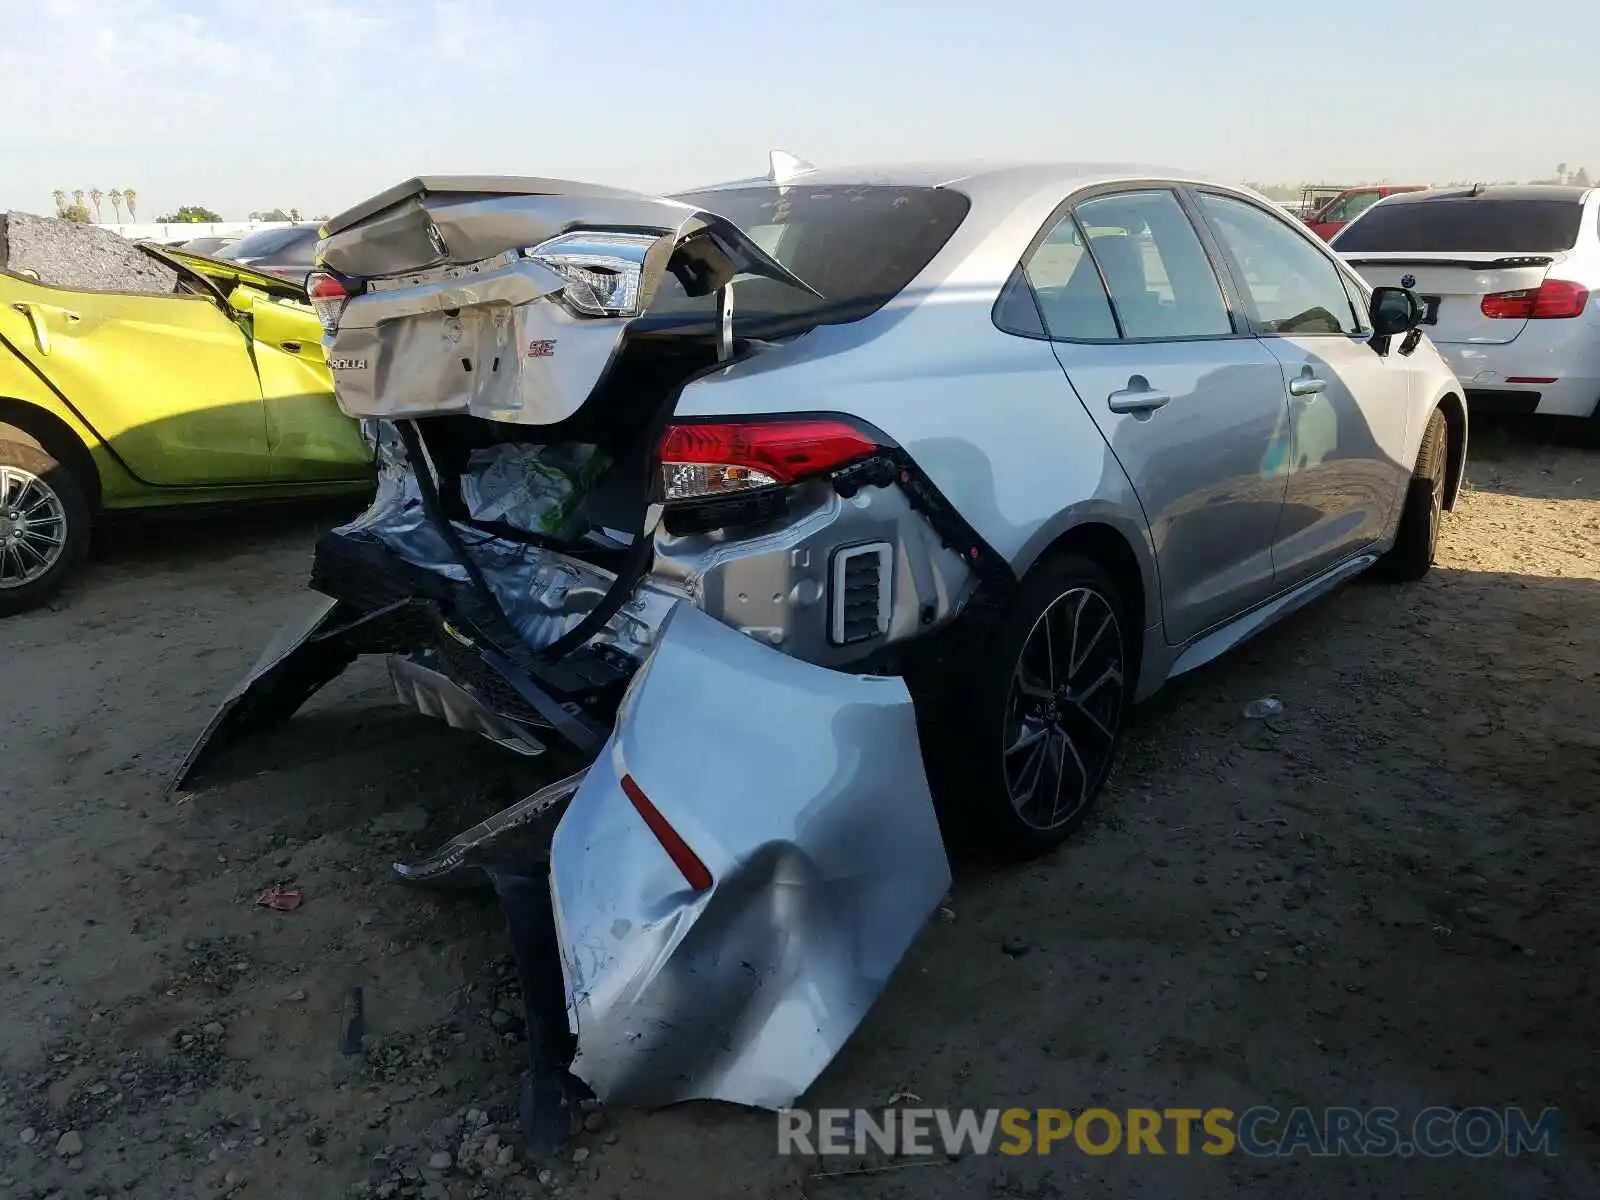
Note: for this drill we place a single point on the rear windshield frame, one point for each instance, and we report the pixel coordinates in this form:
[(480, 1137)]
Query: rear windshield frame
[(833, 266), (1461, 224)]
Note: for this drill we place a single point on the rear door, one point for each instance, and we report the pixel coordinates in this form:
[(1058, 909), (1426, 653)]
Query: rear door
[(1190, 402), (166, 380), (1346, 455)]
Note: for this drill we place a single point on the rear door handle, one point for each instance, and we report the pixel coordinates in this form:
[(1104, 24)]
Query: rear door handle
[(41, 332), (291, 347), (1307, 385), (1137, 397)]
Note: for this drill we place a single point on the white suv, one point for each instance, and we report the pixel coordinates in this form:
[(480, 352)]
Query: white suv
[(1507, 275)]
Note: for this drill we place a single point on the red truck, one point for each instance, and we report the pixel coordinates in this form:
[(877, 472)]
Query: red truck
[(1333, 215)]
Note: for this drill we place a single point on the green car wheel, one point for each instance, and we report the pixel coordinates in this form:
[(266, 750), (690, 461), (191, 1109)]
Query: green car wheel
[(44, 527)]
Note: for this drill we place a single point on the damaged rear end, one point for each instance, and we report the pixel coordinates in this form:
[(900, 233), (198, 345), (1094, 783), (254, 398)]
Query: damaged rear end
[(712, 613)]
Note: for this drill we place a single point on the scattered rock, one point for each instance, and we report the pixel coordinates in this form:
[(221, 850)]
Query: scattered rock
[(1015, 946), (30, 1135), (440, 1160), (595, 1121), (70, 1145), (580, 1156), (413, 818)]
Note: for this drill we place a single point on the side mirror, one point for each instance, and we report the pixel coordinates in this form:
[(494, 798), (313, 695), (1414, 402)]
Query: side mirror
[(1394, 310)]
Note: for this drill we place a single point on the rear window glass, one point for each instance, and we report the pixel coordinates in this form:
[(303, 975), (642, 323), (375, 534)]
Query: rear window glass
[(1516, 226), (269, 241), (858, 245)]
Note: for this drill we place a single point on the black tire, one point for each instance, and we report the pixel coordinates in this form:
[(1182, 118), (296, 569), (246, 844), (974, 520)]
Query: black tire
[(32, 482), (1416, 542), (983, 755)]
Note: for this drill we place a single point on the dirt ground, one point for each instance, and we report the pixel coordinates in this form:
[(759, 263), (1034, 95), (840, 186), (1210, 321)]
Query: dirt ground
[(1386, 896)]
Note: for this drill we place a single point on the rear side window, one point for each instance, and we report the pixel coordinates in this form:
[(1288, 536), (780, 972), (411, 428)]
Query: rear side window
[(1477, 224)]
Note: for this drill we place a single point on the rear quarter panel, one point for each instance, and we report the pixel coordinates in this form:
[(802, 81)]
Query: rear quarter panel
[(23, 393), (988, 415)]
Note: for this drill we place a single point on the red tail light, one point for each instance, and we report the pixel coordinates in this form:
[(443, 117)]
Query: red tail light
[(328, 297), (700, 461), (1554, 298), (694, 872)]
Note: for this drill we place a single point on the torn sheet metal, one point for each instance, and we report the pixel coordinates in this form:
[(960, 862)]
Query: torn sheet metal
[(420, 685), (543, 593), (803, 792), (295, 665), (471, 848)]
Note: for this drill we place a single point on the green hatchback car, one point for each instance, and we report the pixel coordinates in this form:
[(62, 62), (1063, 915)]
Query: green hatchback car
[(209, 387)]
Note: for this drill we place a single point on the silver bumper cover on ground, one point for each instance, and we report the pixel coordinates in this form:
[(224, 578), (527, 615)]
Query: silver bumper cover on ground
[(802, 792)]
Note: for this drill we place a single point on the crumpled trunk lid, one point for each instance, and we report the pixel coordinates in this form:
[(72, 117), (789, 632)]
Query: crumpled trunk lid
[(451, 313)]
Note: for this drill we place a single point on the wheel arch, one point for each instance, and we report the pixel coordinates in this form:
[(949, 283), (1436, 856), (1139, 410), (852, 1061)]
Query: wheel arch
[(1455, 421), (1106, 541), (41, 428)]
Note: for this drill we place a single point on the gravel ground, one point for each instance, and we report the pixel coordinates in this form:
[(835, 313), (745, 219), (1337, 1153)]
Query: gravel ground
[(1385, 896), (70, 254)]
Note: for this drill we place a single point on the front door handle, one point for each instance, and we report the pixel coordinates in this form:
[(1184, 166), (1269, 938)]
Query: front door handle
[(1307, 385), (291, 347), (1137, 397)]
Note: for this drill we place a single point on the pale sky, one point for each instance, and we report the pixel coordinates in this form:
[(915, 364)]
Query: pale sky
[(316, 104)]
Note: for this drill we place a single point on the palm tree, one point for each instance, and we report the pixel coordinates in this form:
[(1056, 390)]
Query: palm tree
[(95, 196), (77, 198), (60, 197), (131, 199), (115, 196)]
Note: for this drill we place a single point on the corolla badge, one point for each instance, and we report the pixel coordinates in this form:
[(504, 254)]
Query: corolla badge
[(1408, 281)]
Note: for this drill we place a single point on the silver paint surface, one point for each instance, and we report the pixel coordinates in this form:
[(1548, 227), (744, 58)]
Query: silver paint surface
[(420, 685), (802, 791)]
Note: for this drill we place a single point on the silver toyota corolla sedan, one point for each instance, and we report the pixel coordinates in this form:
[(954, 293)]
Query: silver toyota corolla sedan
[(834, 516)]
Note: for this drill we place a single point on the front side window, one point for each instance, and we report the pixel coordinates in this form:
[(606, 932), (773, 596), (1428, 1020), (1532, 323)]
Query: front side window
[(1292, 287)]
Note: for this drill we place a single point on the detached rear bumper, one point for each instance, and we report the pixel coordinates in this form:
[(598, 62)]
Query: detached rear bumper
[(801, 791)]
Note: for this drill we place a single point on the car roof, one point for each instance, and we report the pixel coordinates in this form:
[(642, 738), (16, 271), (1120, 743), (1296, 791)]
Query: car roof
[(972, 177), (1515, 191)]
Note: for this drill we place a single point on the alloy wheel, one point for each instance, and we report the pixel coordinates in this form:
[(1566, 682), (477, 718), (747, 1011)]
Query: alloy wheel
[(1064, 709), (33, 527)]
